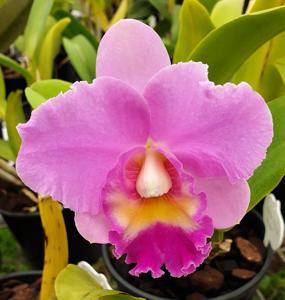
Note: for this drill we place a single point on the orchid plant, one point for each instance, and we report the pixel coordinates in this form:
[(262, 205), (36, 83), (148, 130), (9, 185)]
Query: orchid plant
[(150, 156)]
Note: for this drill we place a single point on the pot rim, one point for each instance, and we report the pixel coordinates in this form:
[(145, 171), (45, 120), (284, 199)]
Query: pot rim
[(8, 213), (229, 295), (20, 274)]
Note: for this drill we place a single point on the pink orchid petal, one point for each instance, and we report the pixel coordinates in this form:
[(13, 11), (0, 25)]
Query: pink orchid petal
[(180, 250), (131, 51), (94, 228), (226, 203), (142, 228), (72, 141), (212, 130)]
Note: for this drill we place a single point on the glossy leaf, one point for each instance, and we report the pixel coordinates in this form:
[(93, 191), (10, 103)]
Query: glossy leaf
[(259, 5), (36, 26), (43, 90), (225, 49), (82, 56), (2, 96), (225, 11), (120, 13), (12, 64), (50, 48), (6, 151), (13, 17), (258, 69), (75, 27), (194, 25), (272, 169), (84, 287), (14, 116)]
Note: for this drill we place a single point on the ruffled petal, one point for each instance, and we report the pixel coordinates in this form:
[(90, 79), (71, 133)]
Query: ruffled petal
[(94, 228), (212, 130), (170, 230), (72, 141), (226, 203), (131, 51)]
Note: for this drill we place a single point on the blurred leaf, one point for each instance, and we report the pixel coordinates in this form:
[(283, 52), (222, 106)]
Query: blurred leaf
[(12, 64), (43, 90), (259, 5), (2, 96), (120, 13), (13, 16), (225, 49), (280, 67), (269, 174), (162, 7), (194, 25), (50, 48), (225, 11), (14, 116), (99, 16), (36, 25), (6, 151), (175, 23), (75, 27), (82, 56), (73, 283), (140, 9), (209, 4)]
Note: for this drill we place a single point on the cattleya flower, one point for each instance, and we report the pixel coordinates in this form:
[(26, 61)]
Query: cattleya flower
[(150, 156)]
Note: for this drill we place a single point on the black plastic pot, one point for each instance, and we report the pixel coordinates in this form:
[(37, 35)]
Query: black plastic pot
[(27, 277), (28, 231), (245, 292)]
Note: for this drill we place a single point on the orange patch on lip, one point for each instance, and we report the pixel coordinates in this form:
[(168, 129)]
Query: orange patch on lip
[(139, 214)]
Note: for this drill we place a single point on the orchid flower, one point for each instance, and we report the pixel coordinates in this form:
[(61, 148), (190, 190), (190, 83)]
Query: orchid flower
[(150, 156)]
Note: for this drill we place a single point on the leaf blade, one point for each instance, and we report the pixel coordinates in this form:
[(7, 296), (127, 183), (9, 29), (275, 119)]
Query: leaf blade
[(50, 48), (269, 174), (194, 25), (215, 52), (14, 116)]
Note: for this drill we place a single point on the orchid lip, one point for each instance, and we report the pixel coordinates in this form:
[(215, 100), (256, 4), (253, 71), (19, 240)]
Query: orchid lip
[(153, 179)]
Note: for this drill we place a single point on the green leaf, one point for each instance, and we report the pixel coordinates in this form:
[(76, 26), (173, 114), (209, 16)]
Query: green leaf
[(257, 70), (6, 151), (162, 7), (209, 4), (140, 9), (14, 116), (13, 16), (73, 283), (225, 11), (2, 96), (43, 90), (35, 28), (280, 67), (50, 48), (82, 56), (194, 25), (227, 47), (268, 175), (120, 13), (12, 64), (75, 27)]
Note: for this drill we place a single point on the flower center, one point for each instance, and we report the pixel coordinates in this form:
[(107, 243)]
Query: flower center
[(153, 179)]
